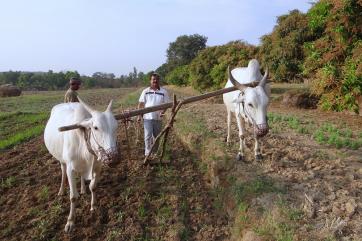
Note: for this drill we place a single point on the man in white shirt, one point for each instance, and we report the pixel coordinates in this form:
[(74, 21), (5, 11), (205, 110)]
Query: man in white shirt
[(151, 96)]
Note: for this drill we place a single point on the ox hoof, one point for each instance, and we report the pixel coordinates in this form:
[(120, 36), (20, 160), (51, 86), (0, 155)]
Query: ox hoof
[(93, 208), (69, 226), (239, 157), (61, 193), (259, 157)]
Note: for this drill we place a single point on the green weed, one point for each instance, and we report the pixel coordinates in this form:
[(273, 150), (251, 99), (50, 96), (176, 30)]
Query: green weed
[(34, 211), (274, 230), (253, 188), (243, 217), (56, 209), (120, 216), (8, 182), (142, 211), (320, 137), (42, 229), (113, 235), (164, 214), (43, 195)]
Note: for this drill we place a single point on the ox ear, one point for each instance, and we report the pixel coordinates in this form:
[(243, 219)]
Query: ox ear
[(109, 107), (87, 107)]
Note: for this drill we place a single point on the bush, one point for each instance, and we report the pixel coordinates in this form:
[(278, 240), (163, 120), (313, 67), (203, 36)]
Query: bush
[(208, 69), (179, 76), (334, 59), (282, 50)]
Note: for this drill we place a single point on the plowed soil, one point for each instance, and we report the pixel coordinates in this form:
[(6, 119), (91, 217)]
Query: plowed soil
[(172, 201), (135, 202)]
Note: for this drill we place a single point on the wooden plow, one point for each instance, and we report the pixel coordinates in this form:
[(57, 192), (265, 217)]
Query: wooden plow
[(175, 107)]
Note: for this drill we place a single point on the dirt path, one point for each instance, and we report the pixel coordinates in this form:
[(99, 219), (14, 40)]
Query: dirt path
[(158, 202)]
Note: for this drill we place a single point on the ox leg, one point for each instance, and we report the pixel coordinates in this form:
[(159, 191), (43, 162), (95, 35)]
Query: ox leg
[(229, 127), (258, 155), (92, 187), (61, 190), (241, 123), (73, 197), (82, 185)]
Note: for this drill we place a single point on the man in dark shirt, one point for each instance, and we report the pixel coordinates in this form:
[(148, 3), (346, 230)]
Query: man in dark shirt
[(71, 95)]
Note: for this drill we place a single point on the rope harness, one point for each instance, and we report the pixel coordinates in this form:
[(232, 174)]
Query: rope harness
[(106, 156), (258, 130)]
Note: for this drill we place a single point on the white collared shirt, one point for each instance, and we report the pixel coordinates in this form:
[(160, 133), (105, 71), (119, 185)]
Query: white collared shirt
[(151, 98)]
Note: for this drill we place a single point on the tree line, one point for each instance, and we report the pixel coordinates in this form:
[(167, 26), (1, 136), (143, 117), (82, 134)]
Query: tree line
[(323, 46), (59, 81)]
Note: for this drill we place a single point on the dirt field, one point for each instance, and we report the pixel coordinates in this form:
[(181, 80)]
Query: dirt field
[(301, 190)]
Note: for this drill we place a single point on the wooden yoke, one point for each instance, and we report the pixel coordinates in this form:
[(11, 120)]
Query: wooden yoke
[(132, 113)]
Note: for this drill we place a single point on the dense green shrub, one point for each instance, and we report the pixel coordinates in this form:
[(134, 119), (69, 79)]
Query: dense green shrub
[(208, 69), (333, 60), (179, 76), (282, 50)]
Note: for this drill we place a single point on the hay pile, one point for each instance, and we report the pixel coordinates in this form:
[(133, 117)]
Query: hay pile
[(9, 90), (300, 99)]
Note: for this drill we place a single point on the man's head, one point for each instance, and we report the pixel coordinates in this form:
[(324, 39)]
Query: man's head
[(155, 81), (74, 83)]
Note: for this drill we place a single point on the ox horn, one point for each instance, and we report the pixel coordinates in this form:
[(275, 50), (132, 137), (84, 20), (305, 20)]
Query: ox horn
[(264, 79), (87, 107), (109, 107), (234, 81)]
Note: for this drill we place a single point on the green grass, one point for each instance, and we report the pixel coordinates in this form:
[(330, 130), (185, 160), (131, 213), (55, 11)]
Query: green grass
[(21, 137), (131, 99), (279, 231), (337, 137), (24, 117), (252, 188), (327, 134), (18, 127), (43, 101), (188, 124)]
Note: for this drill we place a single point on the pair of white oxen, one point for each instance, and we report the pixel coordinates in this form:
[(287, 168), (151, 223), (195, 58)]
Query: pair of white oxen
[(84, 150)]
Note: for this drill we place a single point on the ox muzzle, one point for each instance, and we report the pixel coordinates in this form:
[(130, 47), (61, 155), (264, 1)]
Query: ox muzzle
[(109, 157), (261, 130)]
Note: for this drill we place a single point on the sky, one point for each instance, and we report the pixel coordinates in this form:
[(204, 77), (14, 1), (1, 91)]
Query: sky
[(113, 36)]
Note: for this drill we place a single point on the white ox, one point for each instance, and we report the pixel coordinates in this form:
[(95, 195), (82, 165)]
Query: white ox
[(75, 154), (249, 103)]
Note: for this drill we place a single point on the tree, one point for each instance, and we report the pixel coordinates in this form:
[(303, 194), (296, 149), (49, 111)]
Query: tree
[(282, 50), (184, 49), (333, 59), (208, 69)]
